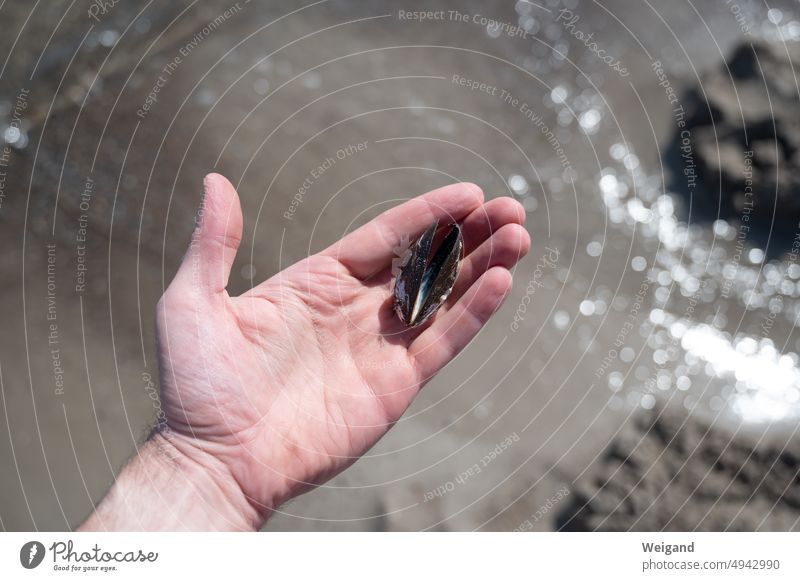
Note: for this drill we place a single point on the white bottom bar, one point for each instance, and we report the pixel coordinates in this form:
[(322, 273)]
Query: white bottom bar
[(402, 556)]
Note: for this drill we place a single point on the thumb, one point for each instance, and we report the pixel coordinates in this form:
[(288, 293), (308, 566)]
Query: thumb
[(207, 264)]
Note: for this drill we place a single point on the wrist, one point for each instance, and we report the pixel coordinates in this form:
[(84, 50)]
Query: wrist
[(170, 484), (213, 478)]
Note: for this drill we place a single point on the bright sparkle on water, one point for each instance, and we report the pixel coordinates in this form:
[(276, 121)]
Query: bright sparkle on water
[(518, 184), (745, 375), (775, 15), (756, 255), (11, 135), (594, 249), (615, 380), (108, 38), (587, 308), (766, 381), (608, 184), (618, 151), (590, 120), (561, 319), (558, 94), (638, 263)]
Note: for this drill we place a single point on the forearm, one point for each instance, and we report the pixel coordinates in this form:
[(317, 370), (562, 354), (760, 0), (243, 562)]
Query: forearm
[(167, 487)]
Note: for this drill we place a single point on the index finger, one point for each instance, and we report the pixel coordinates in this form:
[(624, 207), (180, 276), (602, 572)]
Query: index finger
[(371, 247)]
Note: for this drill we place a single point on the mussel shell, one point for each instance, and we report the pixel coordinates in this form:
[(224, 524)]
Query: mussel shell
[(424, 282)]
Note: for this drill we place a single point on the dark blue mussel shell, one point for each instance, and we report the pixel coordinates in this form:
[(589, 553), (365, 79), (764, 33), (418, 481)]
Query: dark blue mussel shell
[(424, 282)]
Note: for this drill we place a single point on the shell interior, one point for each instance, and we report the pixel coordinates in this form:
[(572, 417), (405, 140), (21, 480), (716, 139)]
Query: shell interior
[(425, 282)]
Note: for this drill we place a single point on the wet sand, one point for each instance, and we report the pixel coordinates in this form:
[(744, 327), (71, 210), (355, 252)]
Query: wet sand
[(611, 313)]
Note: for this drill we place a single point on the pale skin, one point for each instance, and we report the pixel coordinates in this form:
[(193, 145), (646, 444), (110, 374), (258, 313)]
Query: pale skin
[(273, 392)]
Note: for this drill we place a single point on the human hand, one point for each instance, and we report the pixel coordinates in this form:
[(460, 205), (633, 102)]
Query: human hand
[(283, 387)]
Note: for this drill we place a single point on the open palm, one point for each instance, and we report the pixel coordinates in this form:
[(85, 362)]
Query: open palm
[(291, 382)]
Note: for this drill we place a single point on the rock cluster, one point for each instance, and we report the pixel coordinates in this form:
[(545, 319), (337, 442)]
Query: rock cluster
[(744, 122), (666, 472)]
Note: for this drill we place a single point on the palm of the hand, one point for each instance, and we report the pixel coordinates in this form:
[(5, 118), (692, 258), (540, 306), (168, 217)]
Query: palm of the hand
[(312, 361), (292, 381)]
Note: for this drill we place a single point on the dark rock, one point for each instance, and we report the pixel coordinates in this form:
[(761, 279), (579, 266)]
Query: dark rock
[(744, 125)]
